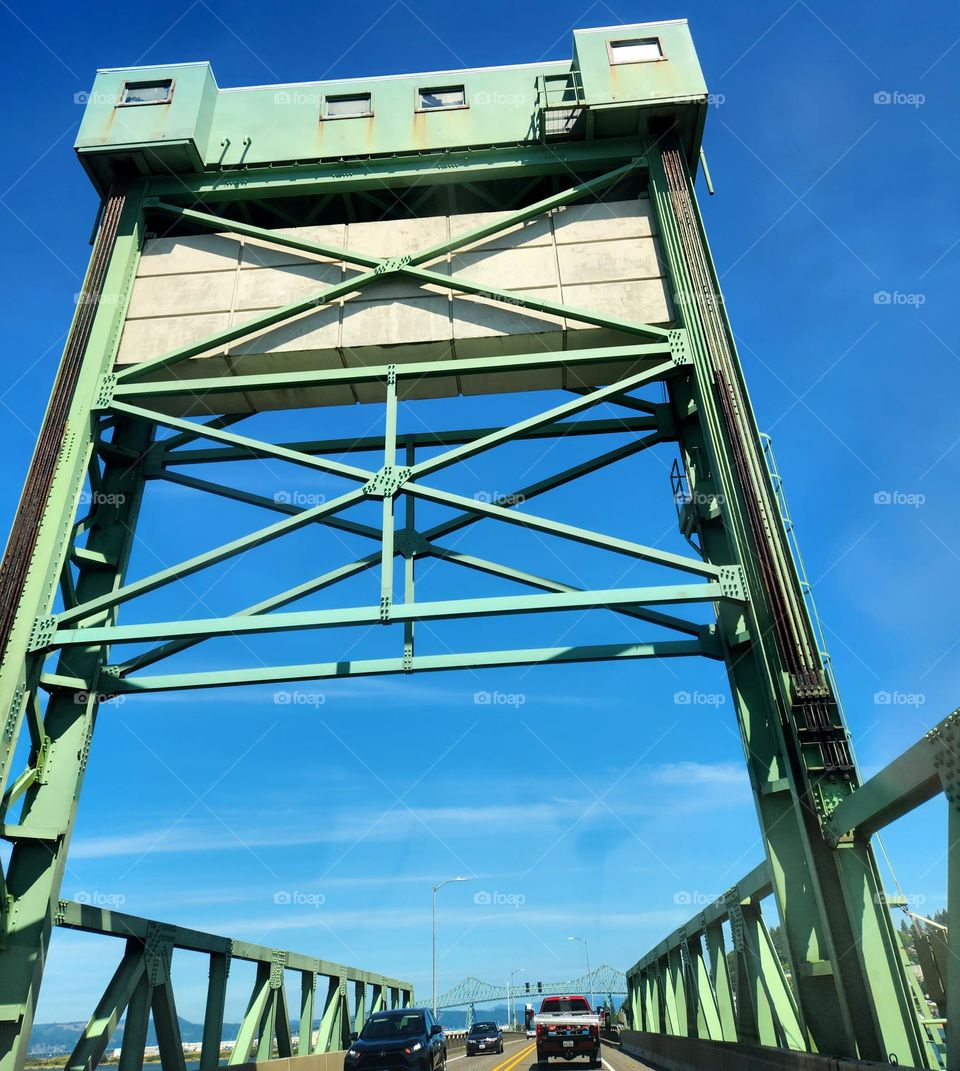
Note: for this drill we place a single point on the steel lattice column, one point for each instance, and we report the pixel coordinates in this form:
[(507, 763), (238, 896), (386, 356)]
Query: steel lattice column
[(852, 992), (61, 734)]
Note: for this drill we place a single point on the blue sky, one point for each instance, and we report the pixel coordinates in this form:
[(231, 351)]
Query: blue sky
[(593, 800)]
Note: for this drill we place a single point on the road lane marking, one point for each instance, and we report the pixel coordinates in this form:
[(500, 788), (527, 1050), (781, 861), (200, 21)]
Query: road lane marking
[(512, 1061), (496, 1067)]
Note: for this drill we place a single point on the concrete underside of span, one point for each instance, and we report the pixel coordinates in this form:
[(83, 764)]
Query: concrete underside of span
[(602, 257)]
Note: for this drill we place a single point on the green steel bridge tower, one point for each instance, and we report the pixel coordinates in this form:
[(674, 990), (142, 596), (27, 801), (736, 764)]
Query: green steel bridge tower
[(399, 240)]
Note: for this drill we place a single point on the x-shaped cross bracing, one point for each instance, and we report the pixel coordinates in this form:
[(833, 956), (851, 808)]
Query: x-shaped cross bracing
[(91, 621)]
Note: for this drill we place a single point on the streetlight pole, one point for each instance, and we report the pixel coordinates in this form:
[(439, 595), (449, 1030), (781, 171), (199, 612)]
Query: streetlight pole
[(583, 940), (435, 888), (516, 970)]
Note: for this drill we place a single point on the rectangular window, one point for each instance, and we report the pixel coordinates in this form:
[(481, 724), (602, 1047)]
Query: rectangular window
[(158, 92), (638, 50), (346, 106), (442, 97)]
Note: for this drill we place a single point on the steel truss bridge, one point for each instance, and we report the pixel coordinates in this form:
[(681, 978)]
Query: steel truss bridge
[(605, 981), (70, 608)]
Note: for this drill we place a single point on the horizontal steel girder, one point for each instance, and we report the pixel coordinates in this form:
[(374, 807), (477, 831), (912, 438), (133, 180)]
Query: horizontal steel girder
[(399, 612), (903, 785), (92, 919), (173, 455), (380, 666), (521, 161)]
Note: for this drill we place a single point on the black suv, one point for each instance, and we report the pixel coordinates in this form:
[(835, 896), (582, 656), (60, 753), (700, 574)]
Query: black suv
[(406, 1039), (484, 1037)]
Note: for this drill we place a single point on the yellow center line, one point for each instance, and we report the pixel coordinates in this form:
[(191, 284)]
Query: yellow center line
[(512, 1061)]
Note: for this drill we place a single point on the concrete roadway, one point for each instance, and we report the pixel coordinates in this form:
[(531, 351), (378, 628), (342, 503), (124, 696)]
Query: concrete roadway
[(522, 1056)]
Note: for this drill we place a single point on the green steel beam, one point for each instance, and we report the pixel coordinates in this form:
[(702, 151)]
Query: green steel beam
[(564, 531), (903, 785), (406, 265), (379, 666), (447, 609), (88, 918), (92, 1045), (484, 565), (368, 444), (192, 565), (522, 161), (469, 237), (378, 373), (353, 568), (549, 416), (256, 447), (236, 494), (258, 323), (853, 998)]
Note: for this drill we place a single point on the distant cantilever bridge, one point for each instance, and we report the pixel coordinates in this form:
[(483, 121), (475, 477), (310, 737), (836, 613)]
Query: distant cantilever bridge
[(605, 981)]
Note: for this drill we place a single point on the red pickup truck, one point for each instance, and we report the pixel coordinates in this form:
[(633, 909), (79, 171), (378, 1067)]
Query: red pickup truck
[(567, 1027)]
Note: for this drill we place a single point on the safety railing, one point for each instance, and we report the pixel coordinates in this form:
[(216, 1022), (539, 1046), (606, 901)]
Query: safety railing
[(142, 984), (560, 103), (693, 985)]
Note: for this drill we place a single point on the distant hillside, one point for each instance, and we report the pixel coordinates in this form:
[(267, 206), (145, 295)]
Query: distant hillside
[(54, 1039)]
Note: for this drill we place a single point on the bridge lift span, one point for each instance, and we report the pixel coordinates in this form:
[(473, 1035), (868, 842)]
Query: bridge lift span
[(480, 232)]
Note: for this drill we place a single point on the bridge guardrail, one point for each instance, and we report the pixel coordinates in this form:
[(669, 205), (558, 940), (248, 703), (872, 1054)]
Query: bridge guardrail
[(675, 992), (142, 984)]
